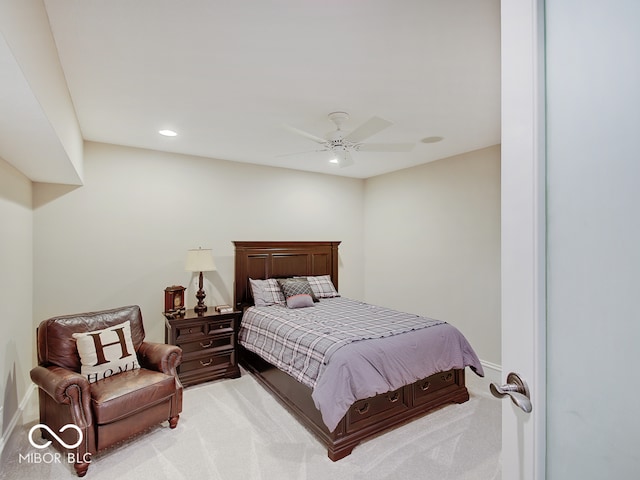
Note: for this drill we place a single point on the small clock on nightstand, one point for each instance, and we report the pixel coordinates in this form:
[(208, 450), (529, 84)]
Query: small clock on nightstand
[(174, 300)]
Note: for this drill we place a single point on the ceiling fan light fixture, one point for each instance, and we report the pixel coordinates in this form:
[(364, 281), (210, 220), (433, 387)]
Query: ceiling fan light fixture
[(339, 154)]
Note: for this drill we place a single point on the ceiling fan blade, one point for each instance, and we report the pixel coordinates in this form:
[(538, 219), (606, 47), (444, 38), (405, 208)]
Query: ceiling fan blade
[(385, 147), (308, 135), (302, 153), (368, 128)]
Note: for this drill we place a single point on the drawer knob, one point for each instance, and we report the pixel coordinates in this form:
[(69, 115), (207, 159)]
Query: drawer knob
[(207, 345), (393, 397), (425, 386), (447, 377), (364, 409), (206, 364)]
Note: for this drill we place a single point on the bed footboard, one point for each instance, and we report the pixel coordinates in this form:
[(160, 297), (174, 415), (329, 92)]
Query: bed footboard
[(366, 418)]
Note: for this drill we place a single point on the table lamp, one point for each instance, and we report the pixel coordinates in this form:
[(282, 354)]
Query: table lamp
[(200, 260)]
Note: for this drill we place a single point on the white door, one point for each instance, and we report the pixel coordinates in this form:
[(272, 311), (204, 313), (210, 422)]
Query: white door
[(523, 234), (593, 239)]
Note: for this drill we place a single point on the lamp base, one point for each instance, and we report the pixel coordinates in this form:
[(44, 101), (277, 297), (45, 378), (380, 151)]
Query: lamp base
[(200, 308)]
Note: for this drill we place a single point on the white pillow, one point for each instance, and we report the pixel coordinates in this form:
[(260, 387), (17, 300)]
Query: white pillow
[(322, 286), (106, 352), (266, 292)]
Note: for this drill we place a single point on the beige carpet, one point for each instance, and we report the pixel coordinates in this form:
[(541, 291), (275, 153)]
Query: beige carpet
[(234, 430)]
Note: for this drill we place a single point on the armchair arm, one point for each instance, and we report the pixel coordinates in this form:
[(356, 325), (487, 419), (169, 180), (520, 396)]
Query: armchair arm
[(161, 357), (56, 381), (65, 387)]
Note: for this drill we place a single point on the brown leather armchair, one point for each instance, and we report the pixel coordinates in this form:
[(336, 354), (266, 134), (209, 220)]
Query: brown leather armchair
[(111, 409)]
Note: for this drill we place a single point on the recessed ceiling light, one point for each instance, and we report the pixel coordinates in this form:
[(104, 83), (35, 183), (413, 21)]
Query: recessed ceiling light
[(167, 133), (432, 139), (333, 160)]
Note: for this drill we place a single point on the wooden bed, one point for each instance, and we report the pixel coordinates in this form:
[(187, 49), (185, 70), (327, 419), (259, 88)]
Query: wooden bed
[(365, 418)]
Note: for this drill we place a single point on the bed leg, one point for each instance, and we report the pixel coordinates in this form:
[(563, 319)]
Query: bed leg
[(339, 453), (462, 397)]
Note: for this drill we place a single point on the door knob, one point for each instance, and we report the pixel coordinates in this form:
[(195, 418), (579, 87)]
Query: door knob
[(517, 389)]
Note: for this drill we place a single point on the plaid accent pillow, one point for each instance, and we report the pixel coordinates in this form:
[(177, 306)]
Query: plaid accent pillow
[(296, 285), (322, 286), (266, 292), (298, 292)]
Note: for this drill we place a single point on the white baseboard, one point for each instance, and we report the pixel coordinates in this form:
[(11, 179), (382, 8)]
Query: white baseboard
[(19, 414), (492, 372)]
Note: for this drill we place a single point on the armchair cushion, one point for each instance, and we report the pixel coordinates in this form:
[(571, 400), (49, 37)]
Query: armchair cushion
[(122, 395), (106, 352)]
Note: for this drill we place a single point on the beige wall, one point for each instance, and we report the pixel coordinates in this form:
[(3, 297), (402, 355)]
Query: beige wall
[(40, 128), (122, 237), (432, 244), (16, 288)]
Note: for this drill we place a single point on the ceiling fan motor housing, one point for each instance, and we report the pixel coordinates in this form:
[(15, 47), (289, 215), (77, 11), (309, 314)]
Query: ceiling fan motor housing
[(339, 118), (340, 142)]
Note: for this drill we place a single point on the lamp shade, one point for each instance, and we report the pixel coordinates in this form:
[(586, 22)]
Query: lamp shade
[(199, 260)]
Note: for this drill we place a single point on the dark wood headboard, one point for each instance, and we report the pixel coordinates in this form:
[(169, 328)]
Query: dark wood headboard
[(261, 260)]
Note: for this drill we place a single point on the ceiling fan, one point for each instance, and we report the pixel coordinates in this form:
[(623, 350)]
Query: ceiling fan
[(342, 144)]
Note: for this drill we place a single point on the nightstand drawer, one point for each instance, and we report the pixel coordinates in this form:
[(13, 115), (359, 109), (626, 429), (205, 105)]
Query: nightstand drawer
[(190, 331), (221, 326), (209, 362), (187, 331), (211, 342)]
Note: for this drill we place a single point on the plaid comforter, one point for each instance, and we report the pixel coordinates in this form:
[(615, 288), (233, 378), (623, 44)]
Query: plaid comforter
[(301, 341)]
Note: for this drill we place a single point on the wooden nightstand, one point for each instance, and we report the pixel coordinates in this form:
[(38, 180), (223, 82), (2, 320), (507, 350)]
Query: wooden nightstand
[(209, 345)]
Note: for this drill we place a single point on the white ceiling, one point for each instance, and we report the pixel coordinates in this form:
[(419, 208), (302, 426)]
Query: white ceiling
[(228, 74)]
